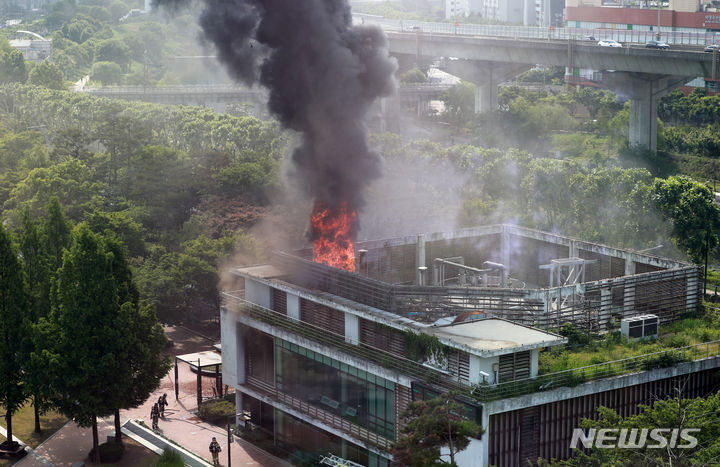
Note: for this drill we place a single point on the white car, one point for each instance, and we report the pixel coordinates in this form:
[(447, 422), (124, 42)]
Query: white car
[(609, 43)]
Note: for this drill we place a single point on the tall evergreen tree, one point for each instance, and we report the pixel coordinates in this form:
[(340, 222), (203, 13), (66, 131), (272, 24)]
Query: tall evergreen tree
[(56, 232), (85, 343), (36, 260), (143, 339), (13, 319)]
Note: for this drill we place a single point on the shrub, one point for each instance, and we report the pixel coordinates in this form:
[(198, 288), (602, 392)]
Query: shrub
[(170, 458), (216, 410), (110, 452)]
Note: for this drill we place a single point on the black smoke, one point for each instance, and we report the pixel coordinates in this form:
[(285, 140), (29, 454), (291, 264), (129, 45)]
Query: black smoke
[(322, 74)]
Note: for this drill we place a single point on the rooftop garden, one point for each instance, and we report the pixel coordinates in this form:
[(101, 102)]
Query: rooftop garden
[(584, 349)]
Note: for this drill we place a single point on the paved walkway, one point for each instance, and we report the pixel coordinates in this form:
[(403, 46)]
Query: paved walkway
[(71, 444)]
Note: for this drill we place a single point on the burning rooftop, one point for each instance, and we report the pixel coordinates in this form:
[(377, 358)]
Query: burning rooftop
[(521, 275)]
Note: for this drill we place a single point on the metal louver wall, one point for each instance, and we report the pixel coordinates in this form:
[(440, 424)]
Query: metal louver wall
[(322, 316), (279, 301), (382, 337), (514, 366), (459, 364), (552, 424)]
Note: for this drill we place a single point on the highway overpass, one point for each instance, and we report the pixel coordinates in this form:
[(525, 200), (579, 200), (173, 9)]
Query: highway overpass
[(643, 75)]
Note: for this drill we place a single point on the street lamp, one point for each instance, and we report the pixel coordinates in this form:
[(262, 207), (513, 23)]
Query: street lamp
[(657, 34)]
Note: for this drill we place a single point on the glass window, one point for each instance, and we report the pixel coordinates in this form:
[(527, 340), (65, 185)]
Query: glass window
[(352, 394)]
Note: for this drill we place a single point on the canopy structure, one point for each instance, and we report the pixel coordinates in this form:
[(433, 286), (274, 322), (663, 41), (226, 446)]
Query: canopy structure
[(208, 359)]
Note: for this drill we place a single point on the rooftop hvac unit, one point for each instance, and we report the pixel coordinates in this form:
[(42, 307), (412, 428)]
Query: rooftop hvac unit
[(639, 327)]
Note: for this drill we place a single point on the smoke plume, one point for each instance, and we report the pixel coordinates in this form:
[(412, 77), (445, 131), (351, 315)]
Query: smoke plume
[(322, 74)]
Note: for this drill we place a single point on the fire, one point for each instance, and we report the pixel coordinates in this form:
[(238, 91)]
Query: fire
[(332, 230)]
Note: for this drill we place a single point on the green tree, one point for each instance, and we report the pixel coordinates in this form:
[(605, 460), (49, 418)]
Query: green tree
[(12, 67), (431, 425), (690, 207), (13, 332), (701, 414), (413, 76), (55, 233), (113, 50), (48, 75), (142, 364), (460, 102), (37, 264), (106, 72), (82, 336)]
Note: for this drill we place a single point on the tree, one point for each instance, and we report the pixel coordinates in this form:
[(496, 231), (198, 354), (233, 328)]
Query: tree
[(13, 313), (690, 207), (37, 261), (431, 425), (113, 50), (47, 74), (415, 75), (106, 72), (12, 67), (143, 366), (56, 233), (701, 414), (81, 335), (460, 102)]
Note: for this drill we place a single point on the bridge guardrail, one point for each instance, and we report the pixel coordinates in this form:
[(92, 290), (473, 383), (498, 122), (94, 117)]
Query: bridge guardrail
[(536, 32)]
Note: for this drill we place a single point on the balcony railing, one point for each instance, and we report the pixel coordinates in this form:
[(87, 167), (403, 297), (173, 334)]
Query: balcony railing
[(320, 415), (482, 393), (575, 376)]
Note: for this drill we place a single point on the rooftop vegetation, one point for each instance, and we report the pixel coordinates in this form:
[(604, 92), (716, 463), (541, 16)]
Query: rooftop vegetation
[(584, 349)]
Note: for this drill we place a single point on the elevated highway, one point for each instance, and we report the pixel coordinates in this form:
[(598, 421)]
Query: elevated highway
[(643, 75)]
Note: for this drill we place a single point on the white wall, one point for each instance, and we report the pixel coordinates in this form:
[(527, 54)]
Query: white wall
[(352, 328), (472, 456), (478, 364), (256, 292), (293, 306), (232, 353)]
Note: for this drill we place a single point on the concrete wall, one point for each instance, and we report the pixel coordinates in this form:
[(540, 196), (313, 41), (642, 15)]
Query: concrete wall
[(232, 352), (257, 292), (478, 364)]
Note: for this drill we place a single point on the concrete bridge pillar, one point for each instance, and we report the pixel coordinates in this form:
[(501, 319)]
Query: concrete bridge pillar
[(486, 76), (645, 91)]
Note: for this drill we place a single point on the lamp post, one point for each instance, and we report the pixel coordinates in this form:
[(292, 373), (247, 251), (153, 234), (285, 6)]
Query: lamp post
[(657, 34), (245, 417)]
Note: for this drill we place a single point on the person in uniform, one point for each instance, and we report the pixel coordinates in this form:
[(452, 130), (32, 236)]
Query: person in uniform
[(162, 403), (155, 415), (215, 451)]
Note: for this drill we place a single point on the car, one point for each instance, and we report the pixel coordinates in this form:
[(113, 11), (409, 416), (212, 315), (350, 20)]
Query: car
[(609, 43), (656, 45), (712, 48)]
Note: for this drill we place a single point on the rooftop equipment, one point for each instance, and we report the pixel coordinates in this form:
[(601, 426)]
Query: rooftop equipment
[(640, 327)]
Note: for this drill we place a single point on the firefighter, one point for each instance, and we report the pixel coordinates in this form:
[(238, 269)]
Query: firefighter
[(162, 403), (155, 415), (215, 451)]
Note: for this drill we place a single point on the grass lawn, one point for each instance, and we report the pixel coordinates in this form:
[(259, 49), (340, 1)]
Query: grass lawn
[(612, 347), (24, 424)]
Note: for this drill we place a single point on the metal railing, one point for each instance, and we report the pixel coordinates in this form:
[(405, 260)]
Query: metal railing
[(575, 376), (483, 393), (321, 415), (536, 32)]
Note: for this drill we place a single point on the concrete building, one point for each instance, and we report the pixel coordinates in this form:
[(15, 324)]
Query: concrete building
[(325, 360), (34, 48), (673, 18), (457, 9)]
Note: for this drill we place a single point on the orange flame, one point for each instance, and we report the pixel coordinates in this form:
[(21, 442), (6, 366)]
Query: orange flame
[(332, 232)]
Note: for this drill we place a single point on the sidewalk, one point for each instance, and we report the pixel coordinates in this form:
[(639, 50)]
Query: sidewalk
[(71, 444)]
